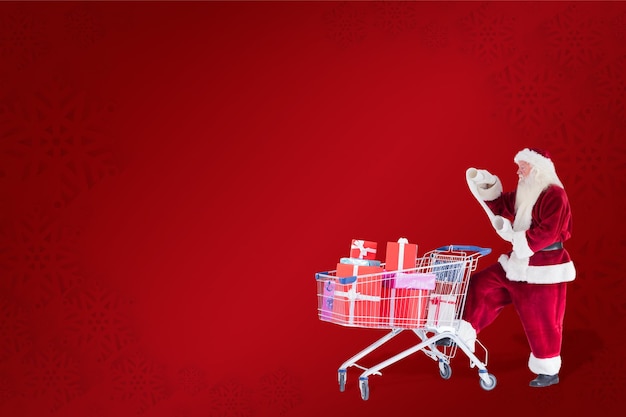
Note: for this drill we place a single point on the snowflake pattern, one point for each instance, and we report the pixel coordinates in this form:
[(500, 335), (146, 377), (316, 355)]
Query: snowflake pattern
[(395, 17), (83, 25), (15, 330), (7, 389), (22, 37), (95, 321), (59, 138), (39, 256), (488, 35), (610, 88), (230, 399), (139, 381), (590, 147), (528, 96), (346, 23), (53, 377), (280, 392), (597, 294), (192, 380), (435, 36), (572, 44), (607, 368), (618, 27)]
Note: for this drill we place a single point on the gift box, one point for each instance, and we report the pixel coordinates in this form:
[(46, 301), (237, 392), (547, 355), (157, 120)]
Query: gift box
[(360, 262), (353, 307), (363, 249), (404, 304), (441, 310), (400, 255), (357, 295), (415, 280), (352, 270), (369, 278)]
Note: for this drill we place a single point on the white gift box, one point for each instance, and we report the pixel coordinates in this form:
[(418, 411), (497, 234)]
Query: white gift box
[(441, 310)]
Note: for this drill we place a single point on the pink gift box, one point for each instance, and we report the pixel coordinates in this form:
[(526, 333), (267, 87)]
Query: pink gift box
[(415, 280)]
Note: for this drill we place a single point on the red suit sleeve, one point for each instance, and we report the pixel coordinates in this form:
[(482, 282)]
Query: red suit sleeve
[(504, 205)]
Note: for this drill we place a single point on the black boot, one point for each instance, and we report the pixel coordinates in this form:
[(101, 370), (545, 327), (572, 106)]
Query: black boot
[(544, 380)]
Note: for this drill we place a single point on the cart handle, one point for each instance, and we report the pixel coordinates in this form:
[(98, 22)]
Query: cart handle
[(343, 281), (465, 248)]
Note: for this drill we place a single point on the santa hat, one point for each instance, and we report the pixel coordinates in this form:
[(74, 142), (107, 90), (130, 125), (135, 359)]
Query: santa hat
[(540, 159)]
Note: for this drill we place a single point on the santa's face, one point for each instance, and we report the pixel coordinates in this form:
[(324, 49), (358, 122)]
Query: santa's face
[(523, 170)]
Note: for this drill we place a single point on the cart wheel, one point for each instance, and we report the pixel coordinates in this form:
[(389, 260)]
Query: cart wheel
[(342, 380), (445, 370), (488, 386), (365, 389)]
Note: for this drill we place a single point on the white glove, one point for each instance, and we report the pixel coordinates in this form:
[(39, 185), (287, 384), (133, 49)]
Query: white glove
[(481, 177), (503, 228)]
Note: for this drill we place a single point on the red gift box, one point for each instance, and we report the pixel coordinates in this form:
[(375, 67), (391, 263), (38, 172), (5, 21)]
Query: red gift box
[(405, 304), (357, 296), (363, 249), (352, 270), (400, 255), (406, 308)]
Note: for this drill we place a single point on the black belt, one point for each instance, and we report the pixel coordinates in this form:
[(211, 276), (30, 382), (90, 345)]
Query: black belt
[(554, 246)]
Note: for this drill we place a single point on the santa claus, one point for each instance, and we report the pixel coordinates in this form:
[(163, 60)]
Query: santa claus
[(536, 219)]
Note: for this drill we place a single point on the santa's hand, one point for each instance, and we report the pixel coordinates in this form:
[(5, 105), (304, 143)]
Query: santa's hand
[(481, 177), (503, 227)]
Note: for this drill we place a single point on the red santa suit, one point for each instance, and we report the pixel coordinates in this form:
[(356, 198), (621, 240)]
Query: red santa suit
[(533, 275)]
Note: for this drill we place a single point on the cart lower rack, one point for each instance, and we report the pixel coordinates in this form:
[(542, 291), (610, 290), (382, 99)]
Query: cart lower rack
[(427, 300)]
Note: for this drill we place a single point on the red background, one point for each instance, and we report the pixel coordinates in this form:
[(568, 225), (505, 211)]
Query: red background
[(172, 175)]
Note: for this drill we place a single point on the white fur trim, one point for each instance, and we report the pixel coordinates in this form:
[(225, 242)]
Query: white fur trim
[(545, 274), (491, 193), (548, 366), (535, 159), (467, 333), (520, 245)]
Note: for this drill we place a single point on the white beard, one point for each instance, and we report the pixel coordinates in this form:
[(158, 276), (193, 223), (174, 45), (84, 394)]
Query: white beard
[(528, 190)]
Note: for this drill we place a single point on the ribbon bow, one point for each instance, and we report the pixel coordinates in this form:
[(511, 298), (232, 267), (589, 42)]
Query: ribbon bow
[(360, 245), (352, 295), (438, 300)]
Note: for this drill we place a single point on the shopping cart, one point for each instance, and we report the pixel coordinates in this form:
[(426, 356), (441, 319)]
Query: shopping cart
[(428, 300)]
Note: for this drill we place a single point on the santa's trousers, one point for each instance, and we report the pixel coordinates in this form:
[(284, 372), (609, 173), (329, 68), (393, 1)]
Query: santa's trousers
[(540, 307)]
